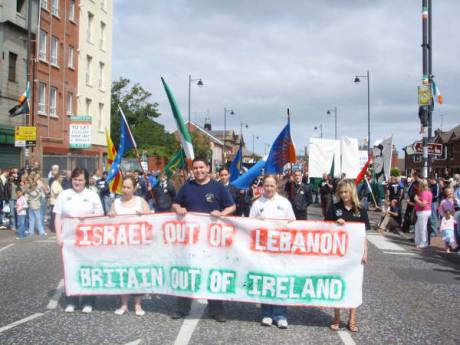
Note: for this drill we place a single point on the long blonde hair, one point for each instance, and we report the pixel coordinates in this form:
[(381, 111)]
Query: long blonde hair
[(350, 185)]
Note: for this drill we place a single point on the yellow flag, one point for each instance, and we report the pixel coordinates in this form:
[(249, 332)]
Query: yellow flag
[(116, 184)]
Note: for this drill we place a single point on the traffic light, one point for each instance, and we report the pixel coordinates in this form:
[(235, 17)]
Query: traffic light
[(423, 115)]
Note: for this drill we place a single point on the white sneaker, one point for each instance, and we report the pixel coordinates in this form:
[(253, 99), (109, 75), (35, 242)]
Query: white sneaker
[(267, 321), (87, 309), (121, 311), (283, 324), (70, 308)]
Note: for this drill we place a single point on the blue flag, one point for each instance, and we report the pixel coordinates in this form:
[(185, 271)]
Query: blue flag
[(235, 167), (281, 152), (245, 180), (126, 144)]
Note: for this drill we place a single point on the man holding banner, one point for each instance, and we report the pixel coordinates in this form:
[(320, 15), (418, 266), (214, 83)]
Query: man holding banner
[(206, 196)]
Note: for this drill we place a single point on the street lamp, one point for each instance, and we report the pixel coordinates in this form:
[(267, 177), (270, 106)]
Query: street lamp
[(357, 80), (335, 120), (199, 83), (241, 131), (267, 146), (254, 137), (231, 112), (321, 128)]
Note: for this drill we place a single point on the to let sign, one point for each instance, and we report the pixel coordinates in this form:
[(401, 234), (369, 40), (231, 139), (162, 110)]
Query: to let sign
[(80, 132)]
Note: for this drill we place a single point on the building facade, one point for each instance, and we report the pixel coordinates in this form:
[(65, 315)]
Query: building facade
[(13, 70)]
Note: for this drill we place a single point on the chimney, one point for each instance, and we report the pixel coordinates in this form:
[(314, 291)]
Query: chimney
[(207, 124)]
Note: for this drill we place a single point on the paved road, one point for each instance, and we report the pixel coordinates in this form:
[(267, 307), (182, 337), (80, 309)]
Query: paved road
[(410, 297)]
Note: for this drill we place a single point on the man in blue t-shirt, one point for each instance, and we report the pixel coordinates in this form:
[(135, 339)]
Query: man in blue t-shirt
[(206, 196)]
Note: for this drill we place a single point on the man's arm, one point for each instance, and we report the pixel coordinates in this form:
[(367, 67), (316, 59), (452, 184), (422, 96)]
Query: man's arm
[(181, 211)]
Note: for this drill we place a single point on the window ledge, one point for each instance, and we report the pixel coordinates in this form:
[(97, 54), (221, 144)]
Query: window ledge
[(54, 116), (42, 113), (71, 67), (43, 60), (55, 66)]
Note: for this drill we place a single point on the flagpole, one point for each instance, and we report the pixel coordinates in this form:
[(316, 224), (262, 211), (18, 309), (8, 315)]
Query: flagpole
[(133, 141)]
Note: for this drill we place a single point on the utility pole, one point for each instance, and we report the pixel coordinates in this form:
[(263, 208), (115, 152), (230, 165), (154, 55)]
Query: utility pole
[(424, 110), (430, 76)]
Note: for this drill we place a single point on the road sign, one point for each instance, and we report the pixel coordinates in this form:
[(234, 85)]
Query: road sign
[(433, 148), (28, 133)]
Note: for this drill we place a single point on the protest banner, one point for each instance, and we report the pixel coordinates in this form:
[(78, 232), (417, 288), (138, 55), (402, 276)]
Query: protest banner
[(306, 263)]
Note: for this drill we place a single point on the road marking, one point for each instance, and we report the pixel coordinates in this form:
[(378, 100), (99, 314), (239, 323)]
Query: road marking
[(190, 322), (346, 338), (400, 253), (383, 243), (19, 322), (135, 342), (45, 241), (6, 247), (53, 303)]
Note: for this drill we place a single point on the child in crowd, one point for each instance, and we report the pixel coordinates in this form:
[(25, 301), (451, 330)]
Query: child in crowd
[(21, 210), (447, 231)]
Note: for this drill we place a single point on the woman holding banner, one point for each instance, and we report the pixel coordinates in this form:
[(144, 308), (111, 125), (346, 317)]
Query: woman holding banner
[(348, 209), (78, 201), (272, 205), (129, 204)]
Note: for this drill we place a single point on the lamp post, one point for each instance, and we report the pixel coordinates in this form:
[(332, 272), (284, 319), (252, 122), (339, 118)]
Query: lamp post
[(335, 120), (254, 137), (267, 146), (190, 81), (321, 129), (241, 131), (231, 112), (357, 80)]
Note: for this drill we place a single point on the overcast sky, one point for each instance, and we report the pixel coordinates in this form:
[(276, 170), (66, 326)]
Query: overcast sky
[(260, 57)]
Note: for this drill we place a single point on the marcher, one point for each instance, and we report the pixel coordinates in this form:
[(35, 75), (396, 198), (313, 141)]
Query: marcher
[(300, 196), (447, 230), (77, 201), (206, 196), (348, 209), (325, 191), (272, 205), (129, 204), (423, 211), (163, 194)]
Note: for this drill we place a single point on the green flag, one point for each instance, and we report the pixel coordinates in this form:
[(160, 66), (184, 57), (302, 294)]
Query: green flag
[(176, 162), (331, 172)]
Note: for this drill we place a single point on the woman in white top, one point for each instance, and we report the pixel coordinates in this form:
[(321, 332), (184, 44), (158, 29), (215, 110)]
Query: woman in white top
[(272, 205), (129, 204)]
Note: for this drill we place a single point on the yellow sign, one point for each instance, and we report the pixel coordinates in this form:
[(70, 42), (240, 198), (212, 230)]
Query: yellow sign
[(28, 133), (424, 95)]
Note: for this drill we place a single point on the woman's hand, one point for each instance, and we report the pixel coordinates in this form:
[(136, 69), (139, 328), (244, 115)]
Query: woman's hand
[(340, 221), (364, 259)]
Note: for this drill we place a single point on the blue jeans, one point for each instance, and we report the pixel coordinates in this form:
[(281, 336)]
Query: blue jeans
[(276, 312), (12, 214), (434, 217), (35, 219), (21, 226)]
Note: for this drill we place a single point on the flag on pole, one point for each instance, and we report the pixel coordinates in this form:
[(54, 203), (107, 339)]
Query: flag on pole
[(116, 184), (235, 166), (185, 137), (362, 173), (331, 172), (436, 93), (23, 103), (176, 162), (245, 180), (281, 152), (126, 143)]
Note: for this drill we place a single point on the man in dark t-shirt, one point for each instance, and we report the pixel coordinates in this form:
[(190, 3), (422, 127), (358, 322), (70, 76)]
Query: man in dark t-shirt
[(206, 196)]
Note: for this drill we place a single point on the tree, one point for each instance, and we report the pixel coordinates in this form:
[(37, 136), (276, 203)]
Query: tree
[(140, 114)]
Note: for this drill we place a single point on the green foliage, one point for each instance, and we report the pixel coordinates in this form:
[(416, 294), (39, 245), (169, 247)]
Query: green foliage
[(201, 146), (140, 114), (395, 172)]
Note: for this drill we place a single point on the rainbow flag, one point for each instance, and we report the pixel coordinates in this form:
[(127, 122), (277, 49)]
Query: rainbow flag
[(116, 184)]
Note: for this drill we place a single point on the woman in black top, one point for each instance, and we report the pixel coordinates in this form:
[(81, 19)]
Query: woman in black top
[(348, 209)]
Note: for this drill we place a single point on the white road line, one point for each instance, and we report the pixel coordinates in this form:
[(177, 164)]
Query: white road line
[(53, 303), (19, 322), (6, 247), (189, 324), (346, 338), (383, 243), (400, 253), (135, 342), (45, 241)]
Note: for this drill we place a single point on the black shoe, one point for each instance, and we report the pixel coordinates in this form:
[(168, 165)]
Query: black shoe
[(219, 317), (177, 315)]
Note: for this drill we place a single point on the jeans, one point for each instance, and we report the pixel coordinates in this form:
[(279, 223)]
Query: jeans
[(43, 209), (434, 217), (12, 214), (275, 312), (21, 226), (35, 219), (75, 301), (214, 307)]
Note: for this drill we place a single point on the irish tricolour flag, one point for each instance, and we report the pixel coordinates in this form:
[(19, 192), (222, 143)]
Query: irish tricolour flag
[(185, 137)]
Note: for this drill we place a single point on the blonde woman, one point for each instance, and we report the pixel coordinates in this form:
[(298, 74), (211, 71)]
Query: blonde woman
[(422, 207), (348, 209)]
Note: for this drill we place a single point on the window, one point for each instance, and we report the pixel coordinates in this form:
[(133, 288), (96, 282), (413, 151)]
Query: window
[(88, 106), (101, 117), (104, 5), (55, 8), (70, 58), (20, 6), (44, 4), (89, 29), (72, 10), (69, 104), (42, 98), (101, 75), (89, 62), (42, 48), (54, 51), (12, 66), (53, 97), (102, 41)]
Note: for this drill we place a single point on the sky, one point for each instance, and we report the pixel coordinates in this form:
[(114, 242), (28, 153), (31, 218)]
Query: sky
[(259, 58)]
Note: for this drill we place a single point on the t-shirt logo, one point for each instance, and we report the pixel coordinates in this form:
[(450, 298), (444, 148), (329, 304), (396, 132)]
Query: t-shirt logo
[(339, 213), (210, 197)]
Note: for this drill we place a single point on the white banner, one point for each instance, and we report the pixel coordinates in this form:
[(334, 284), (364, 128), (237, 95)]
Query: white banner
[(321, 153), (382, 159), (305, 263), (350, 157)]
